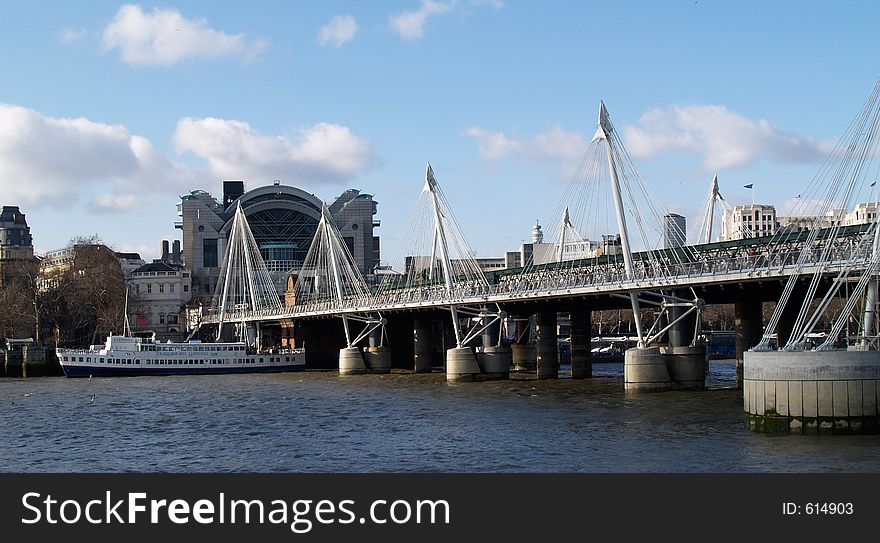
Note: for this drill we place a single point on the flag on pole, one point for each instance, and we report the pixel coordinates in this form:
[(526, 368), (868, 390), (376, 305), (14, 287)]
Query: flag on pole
[(750, 185)]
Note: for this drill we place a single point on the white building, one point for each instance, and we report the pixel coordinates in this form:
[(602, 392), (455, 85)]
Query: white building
[(749, 221), (861, 214), (161, 290), (129, 262)]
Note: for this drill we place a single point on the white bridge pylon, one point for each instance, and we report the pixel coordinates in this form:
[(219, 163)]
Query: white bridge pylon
[(439, 263), (329, 273), (605, 133), (605, 194), (704, 230), (246, 284)]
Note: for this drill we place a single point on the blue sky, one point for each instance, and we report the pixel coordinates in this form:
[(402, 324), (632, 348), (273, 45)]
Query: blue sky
[(109, 112)]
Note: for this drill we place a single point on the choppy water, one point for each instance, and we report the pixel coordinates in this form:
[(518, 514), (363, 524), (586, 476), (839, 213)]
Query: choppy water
[(318, 421)]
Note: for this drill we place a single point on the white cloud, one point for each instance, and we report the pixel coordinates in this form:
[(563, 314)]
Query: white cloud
[(323, 153), (71, 34), (723, 138), (496, 4), (556, 143), (410, 25), (164, 37), (49, 161), (111, 203), (493, 145), (341, 29)]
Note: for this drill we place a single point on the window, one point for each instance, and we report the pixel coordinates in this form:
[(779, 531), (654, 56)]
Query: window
[(161, 288), (161, 319), (149, 288), (349, 242), (171, 288), (209, 253), (137, 289), (186, 288)]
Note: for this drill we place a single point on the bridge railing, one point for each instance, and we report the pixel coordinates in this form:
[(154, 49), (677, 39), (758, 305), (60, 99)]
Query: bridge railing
[(647, 274)]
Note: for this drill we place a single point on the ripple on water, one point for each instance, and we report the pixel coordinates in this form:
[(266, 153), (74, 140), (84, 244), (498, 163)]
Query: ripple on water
[(317, 421)]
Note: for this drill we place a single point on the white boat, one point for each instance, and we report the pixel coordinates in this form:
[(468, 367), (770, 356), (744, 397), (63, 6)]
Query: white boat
[(131, 356)]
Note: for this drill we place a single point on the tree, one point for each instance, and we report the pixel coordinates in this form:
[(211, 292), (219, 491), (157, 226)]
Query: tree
[(19, 317), (83, 299), (718, 317)]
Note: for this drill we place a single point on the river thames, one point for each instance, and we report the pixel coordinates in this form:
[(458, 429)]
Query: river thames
[(321, 422)]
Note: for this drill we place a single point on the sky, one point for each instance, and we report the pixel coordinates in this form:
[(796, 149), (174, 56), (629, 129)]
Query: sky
[(109, 112)]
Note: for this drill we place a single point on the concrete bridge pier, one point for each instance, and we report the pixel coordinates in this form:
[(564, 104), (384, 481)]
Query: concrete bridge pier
[(351, 361), (525, 356), (749, 328), (377, 357), (547, 347), (645, 370), (812, 392), (494, 359), (581, 327), (461, 362), (462, 365), (687, 365), (422, 345)]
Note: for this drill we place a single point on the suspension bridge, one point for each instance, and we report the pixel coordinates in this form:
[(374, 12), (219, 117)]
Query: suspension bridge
[(806, 270)]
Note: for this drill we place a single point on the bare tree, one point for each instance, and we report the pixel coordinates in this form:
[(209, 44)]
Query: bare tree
[(84, 300), (718, 317)]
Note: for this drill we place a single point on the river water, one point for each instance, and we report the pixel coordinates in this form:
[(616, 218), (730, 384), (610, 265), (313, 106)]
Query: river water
[(319, 421)]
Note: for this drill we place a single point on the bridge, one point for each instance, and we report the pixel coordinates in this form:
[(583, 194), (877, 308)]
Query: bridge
[(804, 269), (734, 262)]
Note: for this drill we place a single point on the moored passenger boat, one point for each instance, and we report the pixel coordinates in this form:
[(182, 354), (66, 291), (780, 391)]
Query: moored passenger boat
[(132, 356)]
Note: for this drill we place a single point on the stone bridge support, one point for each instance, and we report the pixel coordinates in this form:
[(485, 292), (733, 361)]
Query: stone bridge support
[(749, 327), (581, 332), (546, 343), (523, 348), (493, 357), (423, 350)]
